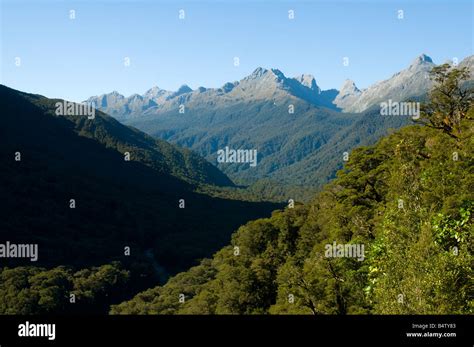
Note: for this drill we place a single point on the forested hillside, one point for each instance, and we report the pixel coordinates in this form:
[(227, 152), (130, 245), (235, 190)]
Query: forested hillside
[(67, 187), (408, 200), (160, 155)]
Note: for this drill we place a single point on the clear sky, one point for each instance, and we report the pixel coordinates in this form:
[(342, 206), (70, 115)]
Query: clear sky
[(77, 58)]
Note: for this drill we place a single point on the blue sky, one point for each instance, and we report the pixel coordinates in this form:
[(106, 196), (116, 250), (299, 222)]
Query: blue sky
[(74, 59)]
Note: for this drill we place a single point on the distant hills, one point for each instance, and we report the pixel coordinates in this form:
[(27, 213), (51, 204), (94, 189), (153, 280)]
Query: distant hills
[(117, 203), (299, 131)]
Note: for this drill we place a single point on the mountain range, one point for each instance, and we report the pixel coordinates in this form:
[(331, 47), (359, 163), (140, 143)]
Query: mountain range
[(300, 132), (264, 84)]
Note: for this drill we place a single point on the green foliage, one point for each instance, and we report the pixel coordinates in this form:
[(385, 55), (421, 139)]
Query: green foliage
[(34, 290), (449, 100), (450, 232), (408, 199)]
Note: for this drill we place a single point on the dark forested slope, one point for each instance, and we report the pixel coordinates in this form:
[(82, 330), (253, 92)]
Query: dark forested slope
[(118, 203)]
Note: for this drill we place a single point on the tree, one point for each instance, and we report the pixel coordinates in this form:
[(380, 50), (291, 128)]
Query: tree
[(449, 100)]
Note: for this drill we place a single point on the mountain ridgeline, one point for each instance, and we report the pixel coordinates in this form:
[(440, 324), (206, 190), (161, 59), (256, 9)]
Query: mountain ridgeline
[(297, 129)]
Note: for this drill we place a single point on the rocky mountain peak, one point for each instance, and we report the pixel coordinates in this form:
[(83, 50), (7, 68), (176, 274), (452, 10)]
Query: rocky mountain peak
[(421, 60), (308, 81)]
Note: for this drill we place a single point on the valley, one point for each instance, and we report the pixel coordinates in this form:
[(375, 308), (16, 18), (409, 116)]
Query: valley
[(299, 130), (298, 170)]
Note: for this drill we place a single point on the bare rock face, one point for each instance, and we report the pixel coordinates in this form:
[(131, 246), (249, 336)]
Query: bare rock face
[(308, 81), (469, 63), (261, 85), (272, 85), (348, 95), (413, 81)]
